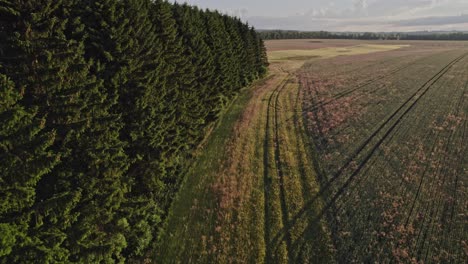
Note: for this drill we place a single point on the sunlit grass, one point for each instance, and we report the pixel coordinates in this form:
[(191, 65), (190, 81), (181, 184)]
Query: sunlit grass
[(330, 52)]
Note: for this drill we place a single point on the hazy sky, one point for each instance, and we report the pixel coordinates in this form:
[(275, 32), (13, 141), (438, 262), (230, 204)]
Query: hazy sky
[(346, 15)]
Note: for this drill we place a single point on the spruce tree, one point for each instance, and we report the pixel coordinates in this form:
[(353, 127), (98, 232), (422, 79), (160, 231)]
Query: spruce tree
[(195, 100), (42, 62), (177, 82), (261, 58), (25, 157), (218, 40), (73, 216), (123, 43), (237, 53)]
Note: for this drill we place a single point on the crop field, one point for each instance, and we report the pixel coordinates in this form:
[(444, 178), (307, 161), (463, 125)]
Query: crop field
[(349, 151), (329, 52), (391, 136), (309, 44)]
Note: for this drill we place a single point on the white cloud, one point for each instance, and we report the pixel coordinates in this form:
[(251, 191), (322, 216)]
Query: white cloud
[(338, 15), (360, 4), (362, 24)]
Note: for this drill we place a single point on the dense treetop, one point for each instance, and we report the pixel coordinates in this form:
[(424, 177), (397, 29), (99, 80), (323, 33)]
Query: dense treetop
[(101, 103)]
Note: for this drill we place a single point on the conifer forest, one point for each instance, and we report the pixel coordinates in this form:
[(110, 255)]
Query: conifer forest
[(102, 104)]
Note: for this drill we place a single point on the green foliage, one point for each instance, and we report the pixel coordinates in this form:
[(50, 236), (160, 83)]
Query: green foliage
[(102, 102), (8, 239), (25, 158)]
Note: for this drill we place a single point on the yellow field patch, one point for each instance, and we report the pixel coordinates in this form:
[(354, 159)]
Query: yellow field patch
[(329, 52)]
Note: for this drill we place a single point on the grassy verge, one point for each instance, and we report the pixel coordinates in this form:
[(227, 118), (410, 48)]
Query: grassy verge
[(186, 219)]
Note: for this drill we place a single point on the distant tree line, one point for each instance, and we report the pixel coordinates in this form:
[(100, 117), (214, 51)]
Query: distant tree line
[(290, 34), (101, 104)]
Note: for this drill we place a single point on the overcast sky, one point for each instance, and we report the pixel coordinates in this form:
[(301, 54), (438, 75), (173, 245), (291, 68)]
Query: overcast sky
[(346, 15)]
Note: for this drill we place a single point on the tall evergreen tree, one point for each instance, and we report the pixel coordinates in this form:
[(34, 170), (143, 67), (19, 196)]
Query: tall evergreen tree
[(121, 43), (236, 53), (177, 81), (43, 63), (24, 158), (261, 58), (197, 104), (128, 53), (249, 63), (74, 203), (218, 40)]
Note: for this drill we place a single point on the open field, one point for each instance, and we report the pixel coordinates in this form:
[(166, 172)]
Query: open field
[(392, 141), (307, 44), (334, 157), (329, 52)]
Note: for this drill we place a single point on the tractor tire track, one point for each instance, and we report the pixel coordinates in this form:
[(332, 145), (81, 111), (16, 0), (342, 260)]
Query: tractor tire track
[(449, 234), (362, 85), (440, 178), (280, 171), (442, 173), (326, 189), (415, 97), (410, 103), (272, 128), (456, 110)]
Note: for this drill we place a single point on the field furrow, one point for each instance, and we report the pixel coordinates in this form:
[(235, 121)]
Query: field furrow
[(391, 195)]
